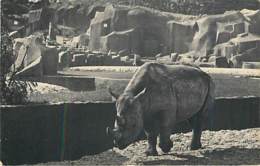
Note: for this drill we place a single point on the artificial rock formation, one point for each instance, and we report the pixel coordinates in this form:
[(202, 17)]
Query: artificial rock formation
[(138, 30), (34, 58), (149, 32)]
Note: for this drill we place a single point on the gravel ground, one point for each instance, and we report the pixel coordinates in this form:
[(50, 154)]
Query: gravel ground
[(221, 147)]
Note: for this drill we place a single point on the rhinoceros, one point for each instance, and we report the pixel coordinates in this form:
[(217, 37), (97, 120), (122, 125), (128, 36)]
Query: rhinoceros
[(155, 99)]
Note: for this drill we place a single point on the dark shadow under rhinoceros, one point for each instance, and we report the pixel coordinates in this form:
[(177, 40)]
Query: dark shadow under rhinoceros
[(158, 97)]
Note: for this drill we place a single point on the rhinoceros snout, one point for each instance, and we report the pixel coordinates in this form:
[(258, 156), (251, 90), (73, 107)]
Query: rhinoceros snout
[(114, 133), (117, 138)]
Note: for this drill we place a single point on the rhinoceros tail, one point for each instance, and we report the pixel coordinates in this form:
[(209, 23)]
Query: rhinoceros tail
[(211, 95), (208, 106)]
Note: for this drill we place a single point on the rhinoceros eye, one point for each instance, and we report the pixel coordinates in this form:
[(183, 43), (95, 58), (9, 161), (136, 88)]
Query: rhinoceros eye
[(125, 123), (134, 125), (121, 126)]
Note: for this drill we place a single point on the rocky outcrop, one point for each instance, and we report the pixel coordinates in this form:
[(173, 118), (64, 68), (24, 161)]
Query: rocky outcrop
[(34, 58), (137, 30), (76, 15), (233, 35), (181, 35)]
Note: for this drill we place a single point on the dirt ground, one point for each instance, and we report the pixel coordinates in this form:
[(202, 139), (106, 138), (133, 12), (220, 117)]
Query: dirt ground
[(221, 147), (44, 88), (82, 70)]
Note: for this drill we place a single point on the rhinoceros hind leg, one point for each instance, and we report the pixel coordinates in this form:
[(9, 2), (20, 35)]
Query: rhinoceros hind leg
[(196, 123)]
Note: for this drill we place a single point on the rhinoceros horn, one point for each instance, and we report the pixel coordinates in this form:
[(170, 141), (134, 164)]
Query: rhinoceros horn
[(140, 94)]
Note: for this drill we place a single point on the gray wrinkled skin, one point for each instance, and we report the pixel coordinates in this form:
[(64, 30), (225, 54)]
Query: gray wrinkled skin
[(156, 98)]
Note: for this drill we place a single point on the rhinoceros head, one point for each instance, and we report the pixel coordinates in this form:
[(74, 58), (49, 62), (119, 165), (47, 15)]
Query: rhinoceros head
[(129, 121)]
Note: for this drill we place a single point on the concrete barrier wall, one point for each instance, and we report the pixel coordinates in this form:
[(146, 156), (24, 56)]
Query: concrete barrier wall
[(229, 113), (235, 113), (40, 133)]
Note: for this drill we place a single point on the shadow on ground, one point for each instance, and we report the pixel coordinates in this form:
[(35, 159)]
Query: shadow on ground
[(233, 155)]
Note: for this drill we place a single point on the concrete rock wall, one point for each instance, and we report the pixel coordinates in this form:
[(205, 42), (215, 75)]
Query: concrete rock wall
[(34, 58), (145, 30), (149, 32), (181, 36)]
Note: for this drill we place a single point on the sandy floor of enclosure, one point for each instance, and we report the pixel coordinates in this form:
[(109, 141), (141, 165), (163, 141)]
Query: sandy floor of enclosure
[(49, 93), (230, 71), (221, 147), (44, 88)]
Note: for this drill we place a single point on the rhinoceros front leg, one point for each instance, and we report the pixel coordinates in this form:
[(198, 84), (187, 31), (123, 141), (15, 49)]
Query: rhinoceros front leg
[(151, 126), (165, 142), (152, 141), (167, 119)]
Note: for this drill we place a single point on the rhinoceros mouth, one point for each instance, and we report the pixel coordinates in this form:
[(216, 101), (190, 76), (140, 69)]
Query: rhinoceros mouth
[(119, 141), (121, 146)]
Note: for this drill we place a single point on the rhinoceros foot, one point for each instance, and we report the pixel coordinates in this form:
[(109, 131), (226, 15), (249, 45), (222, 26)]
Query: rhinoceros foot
[(166, 147), (195, 146), (151, 152)]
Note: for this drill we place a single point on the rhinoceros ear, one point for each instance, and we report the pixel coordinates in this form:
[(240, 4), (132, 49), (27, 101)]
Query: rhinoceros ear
[(115, 96), (140, 94)]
